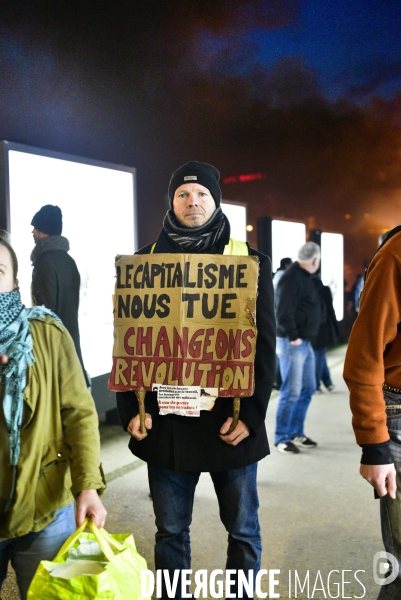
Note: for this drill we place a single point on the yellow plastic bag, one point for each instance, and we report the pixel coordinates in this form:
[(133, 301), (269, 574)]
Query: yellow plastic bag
[(113, 575)]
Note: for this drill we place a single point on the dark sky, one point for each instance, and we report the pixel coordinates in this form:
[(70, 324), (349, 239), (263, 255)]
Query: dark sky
[(306, 92)]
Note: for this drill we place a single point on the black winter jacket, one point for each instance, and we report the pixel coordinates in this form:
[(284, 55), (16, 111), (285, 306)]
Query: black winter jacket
[(192, 444), (56, 283), (329, 330), (297, 304)]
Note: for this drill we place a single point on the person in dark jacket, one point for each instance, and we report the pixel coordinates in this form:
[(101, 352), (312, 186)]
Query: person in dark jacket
[(55, 276), (298, 315), (326, 337), (284, 264), (178, 448)]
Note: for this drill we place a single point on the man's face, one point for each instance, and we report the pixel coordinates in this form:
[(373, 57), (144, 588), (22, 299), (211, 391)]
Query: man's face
[(193, 204), (38, 235)]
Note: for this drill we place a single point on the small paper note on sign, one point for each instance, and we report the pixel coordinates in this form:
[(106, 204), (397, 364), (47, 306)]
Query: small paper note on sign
[(186, 401)]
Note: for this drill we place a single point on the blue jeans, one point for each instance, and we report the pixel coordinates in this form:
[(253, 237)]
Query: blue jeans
[(322, 370), (390, 510), (26, 552), (297, 366), (173, 499)]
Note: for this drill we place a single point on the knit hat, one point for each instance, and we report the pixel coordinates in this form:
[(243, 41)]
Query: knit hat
[(196, 172), (48, 219)]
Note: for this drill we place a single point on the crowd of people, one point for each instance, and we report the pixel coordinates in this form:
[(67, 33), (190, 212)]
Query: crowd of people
[(49, 427)]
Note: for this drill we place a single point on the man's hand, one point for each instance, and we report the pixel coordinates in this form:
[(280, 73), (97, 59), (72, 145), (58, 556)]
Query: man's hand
[(3, 359), (235, 437), (296, 342), (382, 477), (90, 505), (134, 427)]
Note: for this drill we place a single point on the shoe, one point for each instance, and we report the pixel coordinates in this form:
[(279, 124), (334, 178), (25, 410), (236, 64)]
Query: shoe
[(287, 448), (304, 442), (331, 387), (319, 391)]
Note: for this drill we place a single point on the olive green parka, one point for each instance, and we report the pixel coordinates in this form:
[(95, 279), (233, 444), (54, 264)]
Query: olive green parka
[(60, 448)]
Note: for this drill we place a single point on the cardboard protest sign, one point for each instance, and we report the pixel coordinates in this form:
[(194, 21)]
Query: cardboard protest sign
[(185, 320)]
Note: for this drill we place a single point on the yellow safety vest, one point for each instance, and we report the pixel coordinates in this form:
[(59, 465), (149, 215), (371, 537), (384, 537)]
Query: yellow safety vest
[(233, 248), (236, 248)]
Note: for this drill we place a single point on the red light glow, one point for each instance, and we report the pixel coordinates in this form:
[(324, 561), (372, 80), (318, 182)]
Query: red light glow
[(244, 178)]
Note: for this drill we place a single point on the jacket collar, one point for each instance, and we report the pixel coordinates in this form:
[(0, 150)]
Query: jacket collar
[(301, 269)]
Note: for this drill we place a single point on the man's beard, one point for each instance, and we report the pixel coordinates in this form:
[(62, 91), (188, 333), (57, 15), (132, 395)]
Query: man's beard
[(193, 225)]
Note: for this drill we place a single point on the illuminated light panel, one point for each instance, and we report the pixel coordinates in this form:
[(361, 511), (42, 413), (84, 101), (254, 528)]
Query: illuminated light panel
[(236, 214), (332, 268), (98, 220), (287, 238)]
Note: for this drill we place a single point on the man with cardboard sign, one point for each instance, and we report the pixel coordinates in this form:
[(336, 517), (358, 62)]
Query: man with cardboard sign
[(186, 312)]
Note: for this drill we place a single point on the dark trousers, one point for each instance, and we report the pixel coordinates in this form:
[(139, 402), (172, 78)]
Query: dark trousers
[(173, 499)]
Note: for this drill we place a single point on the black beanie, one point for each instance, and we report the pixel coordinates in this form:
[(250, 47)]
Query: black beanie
[(48, 219), (192, 172)]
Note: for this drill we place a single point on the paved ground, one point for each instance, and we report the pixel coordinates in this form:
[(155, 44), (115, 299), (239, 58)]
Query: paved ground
[(317, 514)]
